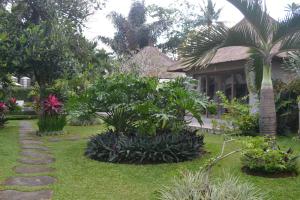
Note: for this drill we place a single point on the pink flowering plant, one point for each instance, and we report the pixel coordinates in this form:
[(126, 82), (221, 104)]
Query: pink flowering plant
[(53, 119), (12, 104), (52, 106), (3, 110)]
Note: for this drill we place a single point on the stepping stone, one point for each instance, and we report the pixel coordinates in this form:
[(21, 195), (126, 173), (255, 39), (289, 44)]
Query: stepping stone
[(37, 147), (31, 142), (41, 161), (55, 140), (33, 169), (30, 181), (34, 154), (16, 195)]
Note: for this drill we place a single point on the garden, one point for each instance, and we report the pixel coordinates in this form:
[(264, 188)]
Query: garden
[(91, 127)]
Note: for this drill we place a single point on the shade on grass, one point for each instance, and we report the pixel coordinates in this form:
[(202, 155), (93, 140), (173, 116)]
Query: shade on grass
[(83, 179)]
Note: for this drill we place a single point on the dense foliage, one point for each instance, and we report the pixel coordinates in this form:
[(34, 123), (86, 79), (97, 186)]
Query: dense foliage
[(143, 105), (238, 112), (140, 149), (262, 155), (287, 106), (198, 186), (146, 118)]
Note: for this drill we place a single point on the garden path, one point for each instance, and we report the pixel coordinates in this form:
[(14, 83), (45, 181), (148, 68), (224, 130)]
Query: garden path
[(34, 159)]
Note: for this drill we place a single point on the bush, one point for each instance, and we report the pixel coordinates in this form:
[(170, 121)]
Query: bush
[(83, 120), (143, 105), (263, 155), (238, 112), (287, 106), (21, 93), (198, 186), (52, 119), (49, 124), (3, 111), (141, 149)]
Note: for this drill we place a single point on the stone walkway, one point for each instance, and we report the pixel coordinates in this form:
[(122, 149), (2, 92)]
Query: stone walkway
[(34, 159)]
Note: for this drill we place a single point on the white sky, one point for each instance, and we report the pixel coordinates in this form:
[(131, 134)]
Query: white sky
[(98, 24)]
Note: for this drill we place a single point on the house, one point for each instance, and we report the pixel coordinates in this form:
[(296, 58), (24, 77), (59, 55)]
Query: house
[(226, 72), (152, 63)]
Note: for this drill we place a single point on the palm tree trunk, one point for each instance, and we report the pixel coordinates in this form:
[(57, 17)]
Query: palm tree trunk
[(267, 120), (253, 93)]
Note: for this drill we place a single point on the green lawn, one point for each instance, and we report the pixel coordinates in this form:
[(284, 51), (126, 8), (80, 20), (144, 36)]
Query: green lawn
[(9, 149), (80, 178)]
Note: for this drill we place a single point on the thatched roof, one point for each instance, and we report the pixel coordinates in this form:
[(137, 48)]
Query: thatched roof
[(226, 54), (151, 62)]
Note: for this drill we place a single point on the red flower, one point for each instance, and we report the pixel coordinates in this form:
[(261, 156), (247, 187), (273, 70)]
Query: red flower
[(13, 100), (3, 107), (52, 105)]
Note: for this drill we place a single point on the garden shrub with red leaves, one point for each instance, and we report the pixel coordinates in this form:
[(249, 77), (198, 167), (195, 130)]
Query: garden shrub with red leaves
[(53, 119), (3, 110)]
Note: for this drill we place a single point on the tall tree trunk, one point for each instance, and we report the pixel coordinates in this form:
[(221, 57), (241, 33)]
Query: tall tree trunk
[(253, 93), (267, 119)]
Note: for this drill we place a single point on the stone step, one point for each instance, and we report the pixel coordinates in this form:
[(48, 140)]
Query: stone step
[(30, 181), (33, 169), (16, 195)]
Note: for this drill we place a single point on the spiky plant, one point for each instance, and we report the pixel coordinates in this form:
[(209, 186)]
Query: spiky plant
[(259, 32), (199, 186)]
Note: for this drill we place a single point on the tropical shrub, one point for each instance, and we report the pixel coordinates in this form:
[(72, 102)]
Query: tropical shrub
[(140, 149), (238, 112), (3, 110), (287, 106), (143, 105), (199, 186), (52, 119), (262, 155)]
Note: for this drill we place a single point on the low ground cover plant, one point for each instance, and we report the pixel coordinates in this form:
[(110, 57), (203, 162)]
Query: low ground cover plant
[(165, 148), (264, 156), (146, 119)]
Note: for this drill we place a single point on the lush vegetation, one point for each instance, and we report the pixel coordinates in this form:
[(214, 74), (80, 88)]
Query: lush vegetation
[(165, 148), (147, 120), (264, 156)]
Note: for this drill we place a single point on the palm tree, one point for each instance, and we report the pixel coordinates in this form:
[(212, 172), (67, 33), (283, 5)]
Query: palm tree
[(293, 8), (261, 34)]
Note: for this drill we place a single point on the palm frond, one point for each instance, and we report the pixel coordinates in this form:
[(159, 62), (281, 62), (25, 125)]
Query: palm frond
[(291, 43), (201, 46), (257, 16), (243, 35), (286, 27)]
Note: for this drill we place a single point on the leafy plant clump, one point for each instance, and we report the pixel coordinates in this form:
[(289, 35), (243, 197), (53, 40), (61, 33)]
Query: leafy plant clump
[(52, 120), (199, 186), (262, 155), (3, 111), (238, 112), (144, 149)]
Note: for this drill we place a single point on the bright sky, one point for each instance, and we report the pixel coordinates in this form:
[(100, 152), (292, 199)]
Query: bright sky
[(98, 24)]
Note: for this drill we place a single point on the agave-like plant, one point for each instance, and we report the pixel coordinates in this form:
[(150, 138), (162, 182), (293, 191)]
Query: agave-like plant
[(259, 32)]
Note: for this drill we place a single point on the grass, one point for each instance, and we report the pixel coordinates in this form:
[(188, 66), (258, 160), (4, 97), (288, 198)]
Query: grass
[(83, 179), (9, 150)]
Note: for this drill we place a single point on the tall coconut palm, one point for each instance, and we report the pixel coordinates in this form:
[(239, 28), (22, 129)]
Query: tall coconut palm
[(259, 32)]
